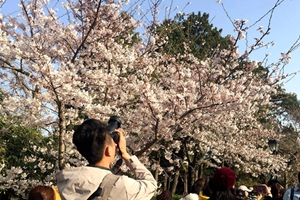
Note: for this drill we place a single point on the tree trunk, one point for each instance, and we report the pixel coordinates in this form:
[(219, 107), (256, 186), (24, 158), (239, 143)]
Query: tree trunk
[(157, 171), (285, 180), (175, 182), (200, 173), (190, 177), (156, 175), (192, 172), (185, 186), (62, 134), (165, 184)]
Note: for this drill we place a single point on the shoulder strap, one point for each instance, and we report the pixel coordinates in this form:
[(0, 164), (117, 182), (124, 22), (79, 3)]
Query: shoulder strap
[(107, 184), (105, 187), (292, 194)]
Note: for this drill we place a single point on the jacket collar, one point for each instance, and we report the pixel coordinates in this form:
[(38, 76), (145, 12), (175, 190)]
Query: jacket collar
[(99, 167)]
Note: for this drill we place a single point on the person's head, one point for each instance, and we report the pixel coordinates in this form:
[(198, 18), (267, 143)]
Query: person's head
[(223, 179), (272, 181), (277, 191), (198, 186), (164, 195), (223, 195), (93, 141), (222, 184), (41, 192)]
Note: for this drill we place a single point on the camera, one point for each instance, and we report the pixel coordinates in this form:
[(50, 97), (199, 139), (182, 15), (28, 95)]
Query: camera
[(260, 189), (114, 123), (240, 193)]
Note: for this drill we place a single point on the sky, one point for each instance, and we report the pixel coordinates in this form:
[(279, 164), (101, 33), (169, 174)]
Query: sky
[(285, 26)]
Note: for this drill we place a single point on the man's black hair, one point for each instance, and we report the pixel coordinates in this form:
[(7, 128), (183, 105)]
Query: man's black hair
[(90, 139)]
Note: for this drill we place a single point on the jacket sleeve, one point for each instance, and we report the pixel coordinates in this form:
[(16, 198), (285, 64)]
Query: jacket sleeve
[(143, 186), (287, 194)]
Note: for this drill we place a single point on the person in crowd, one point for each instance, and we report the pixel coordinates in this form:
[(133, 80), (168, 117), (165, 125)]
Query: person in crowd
[(277, 191), (195, 190), (272, 181), (242, 192), (41, 192), (164, 195), (206, 191), (222, 184), (263, 192), (293, 193), (94, 142), (198, 185), (253, 195)]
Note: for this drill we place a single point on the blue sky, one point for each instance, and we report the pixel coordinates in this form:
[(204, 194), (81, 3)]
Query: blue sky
[(285, 26)]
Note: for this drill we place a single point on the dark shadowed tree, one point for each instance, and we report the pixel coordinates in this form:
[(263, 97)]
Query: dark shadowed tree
[(195, 31)]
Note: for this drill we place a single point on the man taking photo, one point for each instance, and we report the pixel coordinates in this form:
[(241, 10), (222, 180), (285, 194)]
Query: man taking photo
[(96, 181)]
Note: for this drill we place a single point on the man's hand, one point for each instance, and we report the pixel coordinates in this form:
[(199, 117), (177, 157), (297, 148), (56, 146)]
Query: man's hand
[(122, 144)]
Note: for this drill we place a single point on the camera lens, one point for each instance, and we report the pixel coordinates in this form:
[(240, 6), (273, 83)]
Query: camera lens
[(114, 123)]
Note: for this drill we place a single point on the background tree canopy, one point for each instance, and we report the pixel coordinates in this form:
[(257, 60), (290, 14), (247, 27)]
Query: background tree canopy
[(195, 31)]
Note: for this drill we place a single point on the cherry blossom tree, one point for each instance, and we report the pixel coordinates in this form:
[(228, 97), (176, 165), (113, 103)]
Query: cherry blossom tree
[(82, 60)]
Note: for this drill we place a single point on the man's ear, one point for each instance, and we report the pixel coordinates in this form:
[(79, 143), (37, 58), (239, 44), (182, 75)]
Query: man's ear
[(108, 151)]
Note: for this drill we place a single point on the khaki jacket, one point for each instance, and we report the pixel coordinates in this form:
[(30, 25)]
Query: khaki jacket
[(80, 183)]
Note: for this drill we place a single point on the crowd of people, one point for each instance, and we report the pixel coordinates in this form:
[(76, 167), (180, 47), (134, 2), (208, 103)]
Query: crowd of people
[(222, 186), (97, 181)]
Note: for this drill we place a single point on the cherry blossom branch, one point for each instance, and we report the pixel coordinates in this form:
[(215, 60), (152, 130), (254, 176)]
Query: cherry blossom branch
[(12, 67), (27, 17), (151, 143), (197, 108), (88, 33)]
